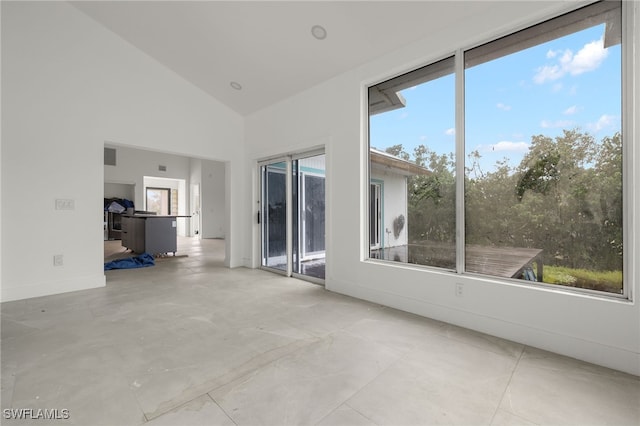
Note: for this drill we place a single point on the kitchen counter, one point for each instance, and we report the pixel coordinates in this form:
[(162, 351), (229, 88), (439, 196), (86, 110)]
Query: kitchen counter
[(153, 234)]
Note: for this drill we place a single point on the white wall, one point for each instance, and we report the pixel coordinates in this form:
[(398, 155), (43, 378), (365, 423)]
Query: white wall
[(120, 190), (69, 85), (212, 190), (599, 330), (133, 164), (210, 175), (195, 179)]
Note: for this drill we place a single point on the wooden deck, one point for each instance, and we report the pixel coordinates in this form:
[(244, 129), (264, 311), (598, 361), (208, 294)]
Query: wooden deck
[(508, 262)]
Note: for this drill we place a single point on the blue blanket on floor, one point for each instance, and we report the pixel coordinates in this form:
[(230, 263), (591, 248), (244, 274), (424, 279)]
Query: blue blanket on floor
[(142, 261)]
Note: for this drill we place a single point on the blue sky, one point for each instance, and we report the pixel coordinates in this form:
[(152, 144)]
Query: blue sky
[(571, 82)]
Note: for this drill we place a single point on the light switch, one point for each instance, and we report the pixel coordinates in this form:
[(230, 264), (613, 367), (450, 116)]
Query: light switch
[(65, 204)]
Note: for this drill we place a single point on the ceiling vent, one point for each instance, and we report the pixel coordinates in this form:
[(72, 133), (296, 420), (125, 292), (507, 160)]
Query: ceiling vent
[(162, 168), (109, 156)]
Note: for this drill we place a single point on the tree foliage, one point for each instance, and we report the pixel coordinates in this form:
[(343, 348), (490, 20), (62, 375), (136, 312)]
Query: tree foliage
[(564, 197)]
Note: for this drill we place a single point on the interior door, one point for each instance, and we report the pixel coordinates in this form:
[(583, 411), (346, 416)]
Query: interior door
[(195, 210)]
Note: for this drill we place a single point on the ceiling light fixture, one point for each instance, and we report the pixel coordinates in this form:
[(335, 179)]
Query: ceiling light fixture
[(235, 85), (319, 32)]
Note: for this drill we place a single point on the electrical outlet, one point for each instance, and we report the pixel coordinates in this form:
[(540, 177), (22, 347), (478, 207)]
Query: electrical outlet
[(58, 260), (459, 289)]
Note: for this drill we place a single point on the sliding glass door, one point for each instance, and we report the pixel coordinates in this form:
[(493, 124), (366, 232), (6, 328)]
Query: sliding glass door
[(274, 215), (293, 215), (308, 198)]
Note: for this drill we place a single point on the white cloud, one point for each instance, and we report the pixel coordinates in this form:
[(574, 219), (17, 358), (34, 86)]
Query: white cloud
[(403, 115), (587, 59), (546, 124), (604, 122), (548, 73), (553, 53), (556, 87), (510, 146), (450, 132), (571, 110), (503, 106), (423, 138)]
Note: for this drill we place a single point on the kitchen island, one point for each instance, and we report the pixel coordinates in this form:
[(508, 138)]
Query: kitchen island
[(153, 234)]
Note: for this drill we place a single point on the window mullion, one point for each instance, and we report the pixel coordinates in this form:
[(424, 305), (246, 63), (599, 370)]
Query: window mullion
[(289, 215), (460, 150), (630, 28)]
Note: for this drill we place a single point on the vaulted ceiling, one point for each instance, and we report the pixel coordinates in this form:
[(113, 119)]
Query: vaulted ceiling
[(267, 47)]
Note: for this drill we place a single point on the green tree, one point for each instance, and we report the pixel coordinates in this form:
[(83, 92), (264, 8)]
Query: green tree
[(569, 192), (564, 197), (398, 151), (431, 198)]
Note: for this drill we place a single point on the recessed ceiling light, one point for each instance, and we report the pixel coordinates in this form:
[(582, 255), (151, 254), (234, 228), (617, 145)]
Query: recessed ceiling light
[(319, 32), (236, 85)]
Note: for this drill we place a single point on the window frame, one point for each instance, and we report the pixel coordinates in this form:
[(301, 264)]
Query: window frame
[(630, 131), (377, 186), (154, 188)]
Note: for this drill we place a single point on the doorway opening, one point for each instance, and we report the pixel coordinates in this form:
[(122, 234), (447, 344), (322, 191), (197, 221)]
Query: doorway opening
[(197, 189)]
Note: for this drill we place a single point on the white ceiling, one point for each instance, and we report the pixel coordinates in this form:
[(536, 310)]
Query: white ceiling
[(267, 46)]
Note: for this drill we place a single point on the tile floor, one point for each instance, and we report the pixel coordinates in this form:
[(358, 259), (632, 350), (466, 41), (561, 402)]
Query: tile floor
[(188, 342)]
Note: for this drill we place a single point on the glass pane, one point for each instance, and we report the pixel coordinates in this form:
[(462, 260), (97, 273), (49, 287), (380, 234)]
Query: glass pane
[(296, 220), (274, 214), (309, 216), (158, 200), (412, 167), (313, 214), (543, 182)]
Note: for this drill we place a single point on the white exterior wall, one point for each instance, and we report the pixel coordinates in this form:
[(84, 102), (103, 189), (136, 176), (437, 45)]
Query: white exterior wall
[(599, 330), (394, 193), (68, 86)]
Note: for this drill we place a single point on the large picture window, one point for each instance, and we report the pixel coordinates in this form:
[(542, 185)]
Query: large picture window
[(541, 146), (412, 145)]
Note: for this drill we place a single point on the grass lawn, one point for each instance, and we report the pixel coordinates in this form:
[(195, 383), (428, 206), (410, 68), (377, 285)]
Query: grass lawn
[(610, 281)]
